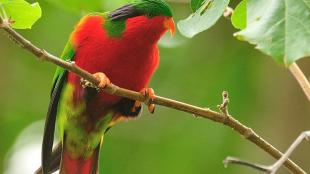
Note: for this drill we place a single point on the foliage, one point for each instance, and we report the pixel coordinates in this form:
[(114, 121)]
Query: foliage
[(22, 14), (203, 18), (279, 28), (196, 4), (238, 18)]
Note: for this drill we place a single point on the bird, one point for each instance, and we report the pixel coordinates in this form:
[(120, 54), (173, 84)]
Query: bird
[(119, 47)]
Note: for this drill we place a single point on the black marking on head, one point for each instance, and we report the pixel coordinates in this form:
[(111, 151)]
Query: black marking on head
[(125, 12)]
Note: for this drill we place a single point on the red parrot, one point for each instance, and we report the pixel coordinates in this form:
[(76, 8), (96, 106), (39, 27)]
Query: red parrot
[(122, 44)]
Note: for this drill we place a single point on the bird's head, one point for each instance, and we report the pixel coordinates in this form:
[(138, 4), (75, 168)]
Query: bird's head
[(146, 15)]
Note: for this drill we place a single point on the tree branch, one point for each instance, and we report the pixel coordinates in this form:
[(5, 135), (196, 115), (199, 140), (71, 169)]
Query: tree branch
[(301, 78), (227, 120), (272, 169), (303, 136)]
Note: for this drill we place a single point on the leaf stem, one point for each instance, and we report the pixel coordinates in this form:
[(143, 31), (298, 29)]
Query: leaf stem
[(301, 78)]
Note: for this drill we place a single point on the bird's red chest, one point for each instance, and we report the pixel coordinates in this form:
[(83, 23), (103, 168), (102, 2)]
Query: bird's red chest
[(128, 63)]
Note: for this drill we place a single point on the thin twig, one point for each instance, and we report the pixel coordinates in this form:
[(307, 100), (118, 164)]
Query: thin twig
[(233, 160), (224, 106), (243, 130), (303, 136), (272, 169), (301, 78)]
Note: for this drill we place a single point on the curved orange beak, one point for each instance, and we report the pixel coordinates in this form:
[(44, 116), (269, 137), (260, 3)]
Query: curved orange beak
[(169, 25)]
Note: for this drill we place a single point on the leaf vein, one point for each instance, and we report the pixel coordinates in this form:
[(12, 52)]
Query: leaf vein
[(304, 1), (301, 23)]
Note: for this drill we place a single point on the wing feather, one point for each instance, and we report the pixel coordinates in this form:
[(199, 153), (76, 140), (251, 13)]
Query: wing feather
[(48, 136)]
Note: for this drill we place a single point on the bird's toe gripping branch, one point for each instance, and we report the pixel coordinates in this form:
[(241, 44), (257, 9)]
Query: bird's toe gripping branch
[(102, 78), (149, 95)]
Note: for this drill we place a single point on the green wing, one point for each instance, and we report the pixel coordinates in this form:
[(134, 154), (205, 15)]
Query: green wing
[(67, 55), (48, 137)]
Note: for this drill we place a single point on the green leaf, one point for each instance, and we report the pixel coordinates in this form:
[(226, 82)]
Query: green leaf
[(279, 28), (238, 17), (205, 17), (195, 4), (23, 14)]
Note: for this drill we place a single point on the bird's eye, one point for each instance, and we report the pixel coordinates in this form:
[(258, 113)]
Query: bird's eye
[(149, 15)]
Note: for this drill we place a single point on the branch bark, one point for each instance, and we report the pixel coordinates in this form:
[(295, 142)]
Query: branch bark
[(223, 118)]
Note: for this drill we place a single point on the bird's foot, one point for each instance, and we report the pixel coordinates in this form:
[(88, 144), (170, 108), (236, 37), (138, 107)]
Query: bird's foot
[(104, 81), (149, 95)]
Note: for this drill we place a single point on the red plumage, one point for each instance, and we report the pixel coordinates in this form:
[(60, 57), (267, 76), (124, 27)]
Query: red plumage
[(128, 61), (122, 44), (77, 166)]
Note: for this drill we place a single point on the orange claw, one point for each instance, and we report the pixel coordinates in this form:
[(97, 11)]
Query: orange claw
[(104, 80), (150, 96), (136, 106)]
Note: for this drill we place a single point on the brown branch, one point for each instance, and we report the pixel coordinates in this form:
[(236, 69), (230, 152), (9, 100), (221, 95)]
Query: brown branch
[(301, 78), (227, 120)]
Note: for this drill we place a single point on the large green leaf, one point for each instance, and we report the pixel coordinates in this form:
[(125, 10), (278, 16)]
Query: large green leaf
[(279, 28), (23, 14), (205, 17), (238, 18)]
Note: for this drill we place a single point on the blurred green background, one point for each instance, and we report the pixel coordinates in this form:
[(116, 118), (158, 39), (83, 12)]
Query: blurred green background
[(263, 95)]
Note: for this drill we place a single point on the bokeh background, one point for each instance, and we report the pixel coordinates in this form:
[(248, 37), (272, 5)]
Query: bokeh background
[(263, 95)]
